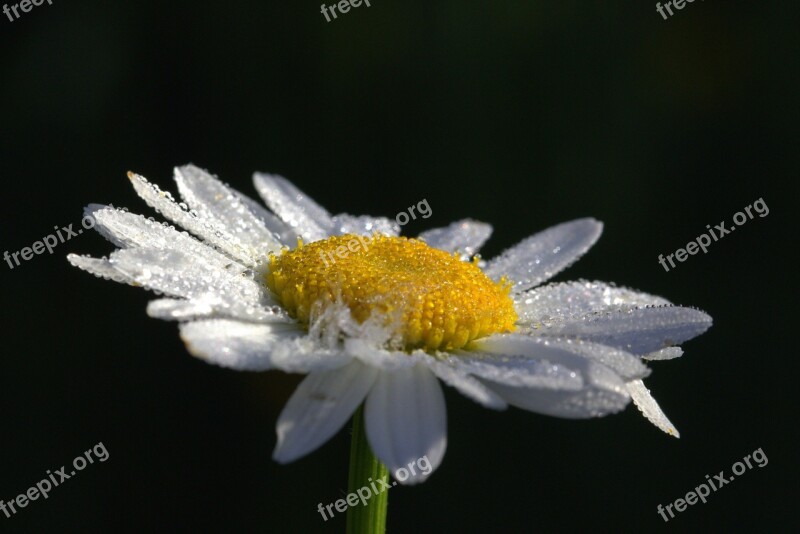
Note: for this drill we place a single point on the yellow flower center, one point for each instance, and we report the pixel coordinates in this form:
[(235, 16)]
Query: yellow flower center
[(428, 297)]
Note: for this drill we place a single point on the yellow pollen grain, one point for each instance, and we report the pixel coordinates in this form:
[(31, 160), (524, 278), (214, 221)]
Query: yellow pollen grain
[(430, 298)]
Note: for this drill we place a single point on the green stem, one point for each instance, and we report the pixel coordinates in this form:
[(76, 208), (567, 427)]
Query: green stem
[(369, 518)]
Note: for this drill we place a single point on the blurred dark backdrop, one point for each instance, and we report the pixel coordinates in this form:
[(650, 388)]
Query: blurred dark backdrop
[(523, 114)]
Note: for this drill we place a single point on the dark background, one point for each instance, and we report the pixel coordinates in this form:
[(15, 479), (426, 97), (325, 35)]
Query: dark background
[(522, 114)]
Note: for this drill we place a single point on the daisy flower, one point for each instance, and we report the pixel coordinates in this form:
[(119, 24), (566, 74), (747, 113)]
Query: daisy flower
[(377, 319)]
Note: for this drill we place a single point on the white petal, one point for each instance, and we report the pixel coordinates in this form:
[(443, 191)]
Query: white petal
[(639, 331), (553, 350), (214, 290), (604, 394), (549, 369), (363, 224), (406, 420), (295, 208), (285, 234), (467, 385), (128, 230), (466, 236), (230, 292), (319, 407), (578, 387), (220, 205), (258, 347), (521, 360), (215, 233), (179, 309), (539, 257), (664, 354), (180, 274), (559, 302), (378, 357), (98, 267), (623, 363), (210, 307), (650, 408), (390, 360)]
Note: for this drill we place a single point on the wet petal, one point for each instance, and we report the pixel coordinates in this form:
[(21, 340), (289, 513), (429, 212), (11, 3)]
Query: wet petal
[(210, 307), (639, 331), (232, 292), (319, 407), (466, 236), (406, 420), (559, 302), (99, 267), (308, 219), (650, 408), (543, 255), (179, 309), (664, 354), (467, 385), (363, 225), (129, 230), (258, 347), (221, 205), (211, 231), (576, 387)]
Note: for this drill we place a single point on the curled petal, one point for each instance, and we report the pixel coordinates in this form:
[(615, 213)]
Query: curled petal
[(650, 408)]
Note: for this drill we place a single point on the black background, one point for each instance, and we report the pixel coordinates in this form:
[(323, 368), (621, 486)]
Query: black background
[(522, 114)]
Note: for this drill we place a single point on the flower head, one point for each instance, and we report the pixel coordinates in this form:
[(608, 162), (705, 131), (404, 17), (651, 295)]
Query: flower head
[(429, 298), (376, 318)]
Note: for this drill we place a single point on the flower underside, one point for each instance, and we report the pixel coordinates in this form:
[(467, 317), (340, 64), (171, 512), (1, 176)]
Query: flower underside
[(429, 298)]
